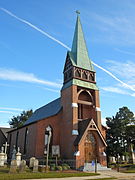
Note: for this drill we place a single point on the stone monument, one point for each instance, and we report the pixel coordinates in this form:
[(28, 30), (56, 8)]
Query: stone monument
[(13, 166), (18, 157), (35, 165), (13, 153), (2, 157)]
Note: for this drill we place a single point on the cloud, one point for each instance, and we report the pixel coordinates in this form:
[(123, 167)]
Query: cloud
[(116, 28), (31, 78), (7, 112), (124, 52), (117, 90), (114, 77), (13, 75), (13, 109), (34, 27), (124, 69), (103, 121)]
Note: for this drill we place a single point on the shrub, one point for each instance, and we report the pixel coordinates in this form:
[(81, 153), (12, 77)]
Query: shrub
[(59, 168), (64, 168), (65, 165), (52, 167)]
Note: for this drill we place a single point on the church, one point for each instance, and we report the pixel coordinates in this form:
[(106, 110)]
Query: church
[(73, 120)]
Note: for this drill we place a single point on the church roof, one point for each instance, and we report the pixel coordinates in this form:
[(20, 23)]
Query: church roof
[(5, 130), (48, 110), (79, 53)]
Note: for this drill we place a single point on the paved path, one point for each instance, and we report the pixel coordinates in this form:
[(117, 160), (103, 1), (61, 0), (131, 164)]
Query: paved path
[(103, 174)]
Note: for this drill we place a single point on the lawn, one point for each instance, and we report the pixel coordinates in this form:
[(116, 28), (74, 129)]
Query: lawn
[(4, 175)]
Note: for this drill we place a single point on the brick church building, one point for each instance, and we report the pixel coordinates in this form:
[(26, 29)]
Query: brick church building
[(74, 118)]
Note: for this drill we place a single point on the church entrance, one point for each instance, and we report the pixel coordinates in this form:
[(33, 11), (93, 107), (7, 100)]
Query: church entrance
[(90, 147)]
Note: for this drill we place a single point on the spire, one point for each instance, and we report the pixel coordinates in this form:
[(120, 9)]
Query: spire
[(79, 50)]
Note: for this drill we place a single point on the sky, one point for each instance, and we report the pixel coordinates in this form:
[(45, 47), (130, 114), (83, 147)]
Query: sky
[(35, 36)]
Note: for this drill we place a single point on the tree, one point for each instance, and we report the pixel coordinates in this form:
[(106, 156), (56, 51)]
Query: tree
[(18, 121), (118, 134)]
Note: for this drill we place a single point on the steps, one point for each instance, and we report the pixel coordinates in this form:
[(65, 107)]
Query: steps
[(88, 167)]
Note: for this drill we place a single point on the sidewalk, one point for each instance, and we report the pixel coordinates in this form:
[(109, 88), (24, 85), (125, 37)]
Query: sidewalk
[(103, 174)]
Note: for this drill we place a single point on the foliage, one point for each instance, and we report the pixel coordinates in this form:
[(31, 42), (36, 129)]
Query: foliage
[(59, 168), (65, 166), (119, 133), (18, 121)]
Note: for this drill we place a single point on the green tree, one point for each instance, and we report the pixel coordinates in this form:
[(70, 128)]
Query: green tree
[(118, 135), (18, 121)]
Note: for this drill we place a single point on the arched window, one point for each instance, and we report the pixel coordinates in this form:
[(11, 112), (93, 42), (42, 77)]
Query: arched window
[(84, 75), (48, 138), (26, 140), (85, 96), (85, 102), (77, 73)]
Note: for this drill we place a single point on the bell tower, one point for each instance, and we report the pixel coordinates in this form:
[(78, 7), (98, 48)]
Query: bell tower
[(79, 94)]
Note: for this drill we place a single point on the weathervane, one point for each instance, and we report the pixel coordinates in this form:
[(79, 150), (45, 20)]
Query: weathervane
[(77, 12)]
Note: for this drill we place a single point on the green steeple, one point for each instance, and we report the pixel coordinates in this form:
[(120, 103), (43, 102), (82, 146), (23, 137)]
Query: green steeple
[(79, 52)]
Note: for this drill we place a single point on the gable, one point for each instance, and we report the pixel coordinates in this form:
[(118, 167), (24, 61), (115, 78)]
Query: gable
[(86, 125)]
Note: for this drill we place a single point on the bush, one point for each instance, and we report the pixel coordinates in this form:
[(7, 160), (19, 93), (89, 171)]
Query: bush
[(59, 168), (66, 165), (64, 168), (52, 167)]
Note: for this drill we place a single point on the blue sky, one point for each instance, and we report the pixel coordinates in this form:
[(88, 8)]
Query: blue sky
[(31, 64)]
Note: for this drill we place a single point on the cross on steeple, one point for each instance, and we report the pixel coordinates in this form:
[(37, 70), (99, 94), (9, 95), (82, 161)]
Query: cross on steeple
[(77, 12)]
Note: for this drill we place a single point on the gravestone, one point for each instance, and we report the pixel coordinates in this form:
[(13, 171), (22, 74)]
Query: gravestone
[(112, 159), (18, 157), (5, 151), (22, 166), (2, 157), (35, 165), (31, 164), (13, 167)]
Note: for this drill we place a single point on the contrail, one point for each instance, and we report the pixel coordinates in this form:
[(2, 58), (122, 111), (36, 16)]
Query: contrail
[(33, 26), (112, 75), (65, 46)]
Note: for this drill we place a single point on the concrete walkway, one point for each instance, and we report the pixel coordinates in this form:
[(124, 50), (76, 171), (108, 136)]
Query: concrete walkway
[(103, 174)]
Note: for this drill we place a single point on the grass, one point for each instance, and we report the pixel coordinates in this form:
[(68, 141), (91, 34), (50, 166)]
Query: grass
[(4, 175), (129, 168), (103, 178), (129, 171)]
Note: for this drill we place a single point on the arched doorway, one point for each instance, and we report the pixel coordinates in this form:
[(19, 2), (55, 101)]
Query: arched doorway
[(90, 149)]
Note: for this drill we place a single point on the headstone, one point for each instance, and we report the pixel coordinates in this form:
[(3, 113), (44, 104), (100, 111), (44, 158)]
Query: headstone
[(22, 166), (35, 165), (13, 153), (13, 166), (32, 159), (5, 158), (112, 159), (123, 158), (2, 157), (18, 157)]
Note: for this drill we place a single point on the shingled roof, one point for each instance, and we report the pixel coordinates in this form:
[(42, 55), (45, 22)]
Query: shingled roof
[(48, 110)]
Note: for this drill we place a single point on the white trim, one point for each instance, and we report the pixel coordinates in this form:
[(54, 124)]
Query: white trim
[(75, 132), (97, 109), (74, 105), (77, 153)]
